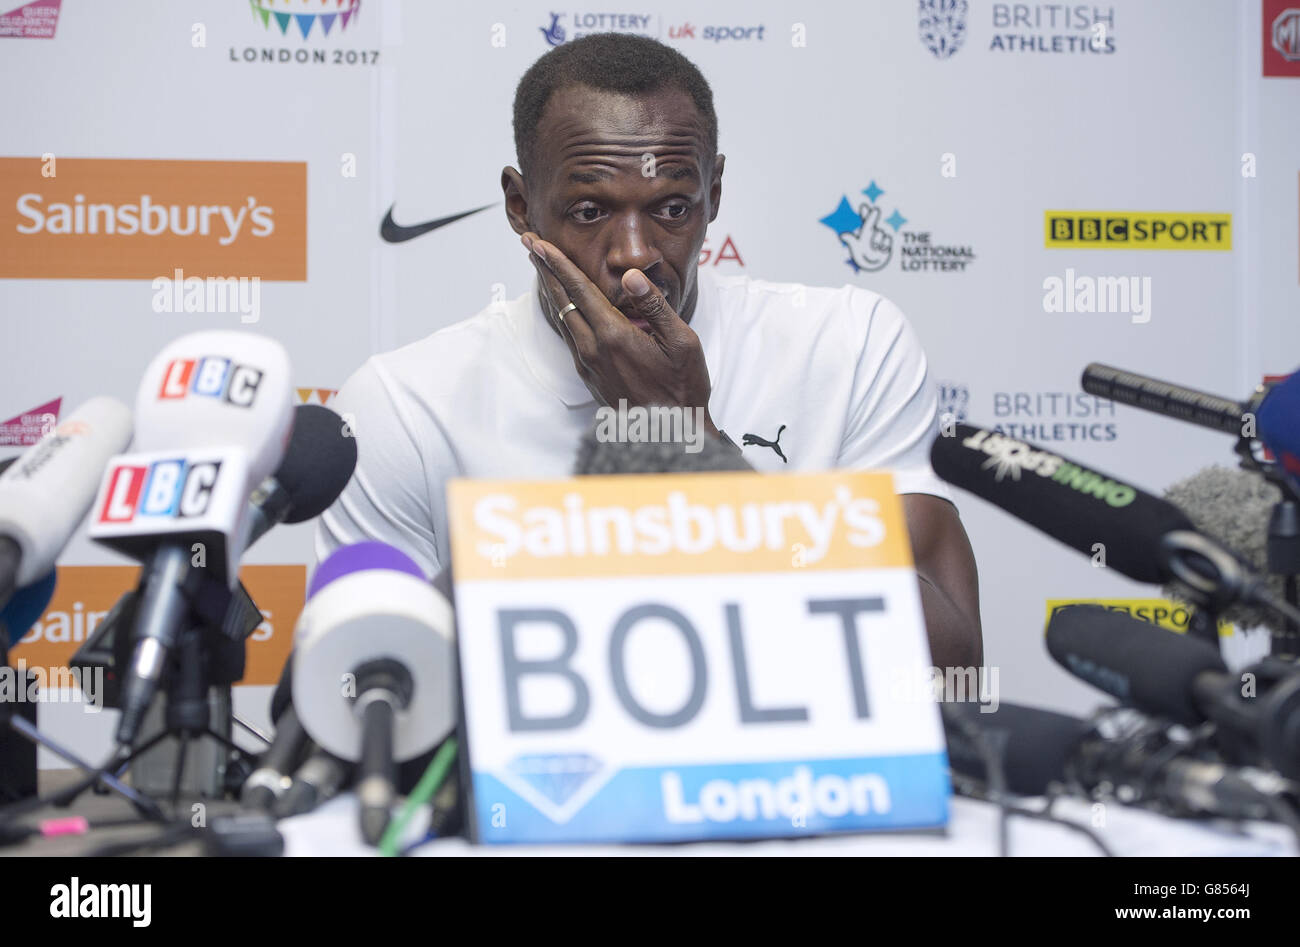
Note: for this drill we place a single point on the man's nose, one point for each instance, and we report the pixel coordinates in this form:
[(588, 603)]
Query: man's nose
[(631, 246)]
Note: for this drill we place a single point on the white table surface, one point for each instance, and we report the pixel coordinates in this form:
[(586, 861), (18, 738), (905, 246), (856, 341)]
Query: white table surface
[(972, 831)]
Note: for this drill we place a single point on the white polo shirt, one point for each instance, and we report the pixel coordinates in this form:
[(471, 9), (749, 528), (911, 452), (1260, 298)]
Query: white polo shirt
[(498, 396)]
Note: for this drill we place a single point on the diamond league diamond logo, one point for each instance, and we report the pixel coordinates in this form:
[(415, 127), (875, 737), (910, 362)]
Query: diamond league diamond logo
[(556, 784)]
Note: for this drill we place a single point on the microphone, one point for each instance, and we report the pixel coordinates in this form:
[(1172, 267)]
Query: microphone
[(375, 623), (597, 456), (317, 781), (1124, 756), (1235, 507), (317, 465), (1170, 675), (1144, 537), (214, 413), (1172, 401), (1278, 429), (1036, 757), (267, 784), (25, 606), (47, 490)]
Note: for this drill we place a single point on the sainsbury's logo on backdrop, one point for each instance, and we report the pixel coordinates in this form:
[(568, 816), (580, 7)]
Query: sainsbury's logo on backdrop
[(102, 218)]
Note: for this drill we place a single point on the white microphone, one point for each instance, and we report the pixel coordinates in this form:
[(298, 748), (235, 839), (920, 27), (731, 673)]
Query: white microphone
[(213, 415), (374, 676), (46, 492)]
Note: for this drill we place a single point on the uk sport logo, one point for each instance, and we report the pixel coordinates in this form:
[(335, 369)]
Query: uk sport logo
[(212, 377), (173, 489)]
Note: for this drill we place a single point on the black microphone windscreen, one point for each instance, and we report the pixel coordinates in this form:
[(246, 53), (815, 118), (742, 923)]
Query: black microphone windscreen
[(598, 455), (1067, 501), (1143, 665), (318, 463), (1034, 745)]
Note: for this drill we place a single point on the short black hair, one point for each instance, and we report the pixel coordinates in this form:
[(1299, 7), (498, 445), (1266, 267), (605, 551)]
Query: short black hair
[(611, 62)]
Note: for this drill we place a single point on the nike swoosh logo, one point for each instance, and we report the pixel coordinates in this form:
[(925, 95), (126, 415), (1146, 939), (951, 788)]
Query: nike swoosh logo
[(393, 232)]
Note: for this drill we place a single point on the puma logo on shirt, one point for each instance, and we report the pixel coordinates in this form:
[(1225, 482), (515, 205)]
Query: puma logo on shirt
[(754, 439)]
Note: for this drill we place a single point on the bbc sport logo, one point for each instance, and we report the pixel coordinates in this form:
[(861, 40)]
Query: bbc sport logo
[(1136, 230)]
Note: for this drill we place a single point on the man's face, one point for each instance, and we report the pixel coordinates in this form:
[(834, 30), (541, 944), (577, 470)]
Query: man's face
[(622, 182)]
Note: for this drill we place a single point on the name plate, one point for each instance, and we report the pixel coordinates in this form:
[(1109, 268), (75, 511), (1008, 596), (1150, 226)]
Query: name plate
[(703, 656)]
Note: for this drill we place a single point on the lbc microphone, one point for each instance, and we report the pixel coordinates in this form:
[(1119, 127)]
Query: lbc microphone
[(375, 625), (46, 491), (1144, 537), (1161, 672), (213, 415)]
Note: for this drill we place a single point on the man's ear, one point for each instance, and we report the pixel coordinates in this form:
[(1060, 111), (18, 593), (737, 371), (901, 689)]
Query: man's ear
[(715, 187), (512, 185)]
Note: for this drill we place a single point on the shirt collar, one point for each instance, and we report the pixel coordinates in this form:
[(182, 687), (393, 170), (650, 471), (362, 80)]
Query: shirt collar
[(548, 356)]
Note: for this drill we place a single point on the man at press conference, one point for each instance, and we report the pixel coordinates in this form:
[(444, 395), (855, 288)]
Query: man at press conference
[(619, 177)]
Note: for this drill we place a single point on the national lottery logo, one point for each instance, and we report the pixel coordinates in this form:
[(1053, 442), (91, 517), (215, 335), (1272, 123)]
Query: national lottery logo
[(871, 238), (305, 14), (170, 489), (556, 33), (212, 377)]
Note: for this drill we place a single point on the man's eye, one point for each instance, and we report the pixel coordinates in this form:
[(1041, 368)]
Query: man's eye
[(676, 211), (587, 214)]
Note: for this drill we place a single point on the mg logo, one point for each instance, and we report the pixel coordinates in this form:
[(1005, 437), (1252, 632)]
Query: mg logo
[(1286, 34)]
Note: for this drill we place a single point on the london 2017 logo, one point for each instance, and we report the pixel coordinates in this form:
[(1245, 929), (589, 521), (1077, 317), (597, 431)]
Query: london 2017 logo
[(305, 16)]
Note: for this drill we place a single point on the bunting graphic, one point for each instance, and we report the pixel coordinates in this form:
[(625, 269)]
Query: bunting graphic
[(305, 13), (323, 395)]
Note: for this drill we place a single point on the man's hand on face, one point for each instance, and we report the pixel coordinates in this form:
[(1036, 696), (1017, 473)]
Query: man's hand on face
[(662, 365)]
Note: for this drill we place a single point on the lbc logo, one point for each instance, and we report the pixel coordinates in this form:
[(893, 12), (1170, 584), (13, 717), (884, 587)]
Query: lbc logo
[(167, 488), (211, 377)]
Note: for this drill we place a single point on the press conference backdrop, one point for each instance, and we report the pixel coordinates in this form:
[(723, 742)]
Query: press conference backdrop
[(1017, 154)]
